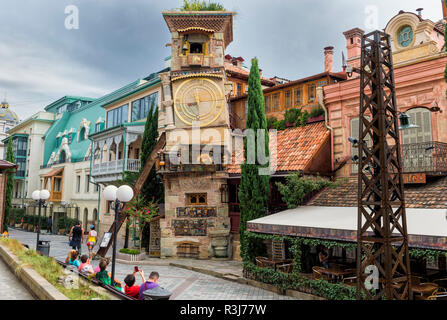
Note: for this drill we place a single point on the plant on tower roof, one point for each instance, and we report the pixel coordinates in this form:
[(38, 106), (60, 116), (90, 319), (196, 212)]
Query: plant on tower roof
[(197, 5)]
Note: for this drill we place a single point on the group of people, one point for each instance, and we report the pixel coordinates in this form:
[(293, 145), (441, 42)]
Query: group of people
[(82, 264), (76, 238)]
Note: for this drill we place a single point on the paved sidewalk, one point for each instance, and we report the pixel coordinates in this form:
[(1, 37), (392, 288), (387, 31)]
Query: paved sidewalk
[(10, 287), (177, 275)]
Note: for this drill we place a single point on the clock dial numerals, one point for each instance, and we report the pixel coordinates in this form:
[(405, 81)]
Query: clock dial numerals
[(200, 100)]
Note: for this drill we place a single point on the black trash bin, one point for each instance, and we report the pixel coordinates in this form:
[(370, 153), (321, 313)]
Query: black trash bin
[(44, 247), (157, 293)]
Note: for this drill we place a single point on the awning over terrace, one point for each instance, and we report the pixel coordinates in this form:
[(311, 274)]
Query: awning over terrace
[(427, 228)]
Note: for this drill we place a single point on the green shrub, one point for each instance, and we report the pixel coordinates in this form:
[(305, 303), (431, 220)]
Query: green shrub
[(302, 120), (61, 222), (279, 125), (130, 251), (297, 187), (292, 115), (271, 122), (317, 111)]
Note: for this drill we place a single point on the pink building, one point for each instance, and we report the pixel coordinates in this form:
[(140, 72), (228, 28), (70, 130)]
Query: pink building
[(419, 64)]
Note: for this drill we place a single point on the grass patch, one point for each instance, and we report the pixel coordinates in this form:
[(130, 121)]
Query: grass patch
[(48, 268), (130, 251)]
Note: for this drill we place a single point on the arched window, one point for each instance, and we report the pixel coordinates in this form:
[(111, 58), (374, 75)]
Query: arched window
[(82, 134), (77, 214), (62, 157), (85, 219), (95, 215), (422, 118), (415, 156)]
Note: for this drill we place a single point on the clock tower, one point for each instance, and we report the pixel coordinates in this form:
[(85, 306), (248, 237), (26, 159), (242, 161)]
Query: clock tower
[(196, 223)]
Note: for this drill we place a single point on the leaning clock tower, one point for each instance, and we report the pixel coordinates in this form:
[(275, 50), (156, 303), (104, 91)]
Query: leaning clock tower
[(196, 222)]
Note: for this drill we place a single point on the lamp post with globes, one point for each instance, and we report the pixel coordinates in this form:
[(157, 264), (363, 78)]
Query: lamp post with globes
[(118, 197), (40, 196)]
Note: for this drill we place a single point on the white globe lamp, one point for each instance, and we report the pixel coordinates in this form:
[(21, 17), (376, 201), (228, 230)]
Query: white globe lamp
[(36, 195), (44, 194), (124, 193), (110, 193)]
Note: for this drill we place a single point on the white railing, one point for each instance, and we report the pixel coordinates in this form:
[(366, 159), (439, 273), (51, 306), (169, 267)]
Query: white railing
[(115, 166), (133, 165)]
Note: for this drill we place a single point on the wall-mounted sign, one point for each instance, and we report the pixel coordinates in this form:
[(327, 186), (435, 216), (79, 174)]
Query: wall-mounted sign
[(196, 212), (414, 178), (189, 227)]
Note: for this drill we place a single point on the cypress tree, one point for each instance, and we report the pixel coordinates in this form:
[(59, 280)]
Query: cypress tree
[(9, 185), (254, 188), (153, 187)]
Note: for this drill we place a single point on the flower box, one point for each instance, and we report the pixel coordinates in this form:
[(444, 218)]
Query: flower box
[(62, 231), (316, 119)]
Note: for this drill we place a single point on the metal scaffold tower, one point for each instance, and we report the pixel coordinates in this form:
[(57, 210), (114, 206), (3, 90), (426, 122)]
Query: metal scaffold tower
[(382, 229)]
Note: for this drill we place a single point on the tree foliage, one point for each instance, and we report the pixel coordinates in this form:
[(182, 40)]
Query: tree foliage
[(139, 213), (297, 187), (254, 188), (9, 185)]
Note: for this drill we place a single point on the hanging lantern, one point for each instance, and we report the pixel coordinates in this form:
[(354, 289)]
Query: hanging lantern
[(404, 120)]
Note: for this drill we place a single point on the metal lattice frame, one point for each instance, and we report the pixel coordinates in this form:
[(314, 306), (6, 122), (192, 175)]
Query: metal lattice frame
[(382, 230)]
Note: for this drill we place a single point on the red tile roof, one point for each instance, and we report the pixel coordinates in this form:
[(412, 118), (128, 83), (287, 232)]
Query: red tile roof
[(296, 148), (238, 72), (432, 195)]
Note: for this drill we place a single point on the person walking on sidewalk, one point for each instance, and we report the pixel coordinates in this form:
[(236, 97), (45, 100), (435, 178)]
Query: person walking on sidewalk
[(76, 237)]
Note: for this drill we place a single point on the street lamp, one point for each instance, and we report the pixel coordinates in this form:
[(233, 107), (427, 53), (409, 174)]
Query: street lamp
[(40, 196), (118, 196)]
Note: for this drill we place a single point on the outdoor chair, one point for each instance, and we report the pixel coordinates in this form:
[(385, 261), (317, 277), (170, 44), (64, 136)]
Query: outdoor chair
[(317, 275), (350, 281), (441, 282), (285, 268), (264, 263)]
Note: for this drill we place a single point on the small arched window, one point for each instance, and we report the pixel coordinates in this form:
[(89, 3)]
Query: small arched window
[(62, 157)]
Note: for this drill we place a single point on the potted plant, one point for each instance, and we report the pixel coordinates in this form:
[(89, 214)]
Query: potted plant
[(25, 222), (316, 114)]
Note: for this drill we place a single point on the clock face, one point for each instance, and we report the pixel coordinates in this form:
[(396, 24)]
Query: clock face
[(199, 99)]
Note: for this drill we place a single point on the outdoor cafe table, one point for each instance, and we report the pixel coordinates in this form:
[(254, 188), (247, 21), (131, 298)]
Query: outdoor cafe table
[(335, 272), (424, 289)]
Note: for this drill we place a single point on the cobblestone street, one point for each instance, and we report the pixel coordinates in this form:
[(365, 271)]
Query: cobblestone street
[(185, 284)]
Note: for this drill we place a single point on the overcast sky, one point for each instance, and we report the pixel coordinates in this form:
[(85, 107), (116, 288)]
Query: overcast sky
[(120, 41)]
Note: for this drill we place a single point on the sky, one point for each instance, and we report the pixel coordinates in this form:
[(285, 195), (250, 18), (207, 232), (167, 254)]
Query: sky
[(118, 41)]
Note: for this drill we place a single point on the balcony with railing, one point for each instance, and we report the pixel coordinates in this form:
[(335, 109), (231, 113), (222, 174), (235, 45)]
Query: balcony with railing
[(429, 157), (116, 167)]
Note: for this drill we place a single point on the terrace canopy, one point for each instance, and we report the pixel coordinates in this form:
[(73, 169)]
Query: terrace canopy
[(427, 228)]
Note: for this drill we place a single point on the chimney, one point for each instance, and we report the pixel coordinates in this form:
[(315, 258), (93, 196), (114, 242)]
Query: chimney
[(444, 9), (354, 42), (419, 11), (328, 59)]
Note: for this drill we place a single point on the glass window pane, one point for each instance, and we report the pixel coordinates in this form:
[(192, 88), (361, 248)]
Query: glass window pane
[(125, 113), (135, 110)]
